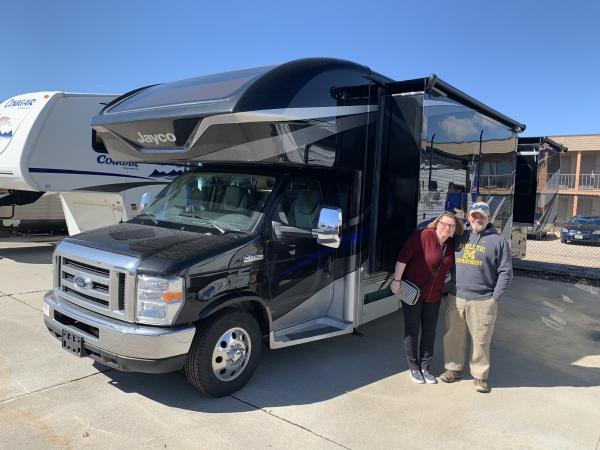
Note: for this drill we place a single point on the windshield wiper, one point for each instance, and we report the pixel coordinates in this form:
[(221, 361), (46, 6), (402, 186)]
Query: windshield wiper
[(206, 219), (149, 216)]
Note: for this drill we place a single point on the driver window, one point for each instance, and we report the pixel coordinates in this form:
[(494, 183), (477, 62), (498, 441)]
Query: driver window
[(301, 204)]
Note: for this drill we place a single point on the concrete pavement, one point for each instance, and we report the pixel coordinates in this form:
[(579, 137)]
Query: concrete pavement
[(349, 392)]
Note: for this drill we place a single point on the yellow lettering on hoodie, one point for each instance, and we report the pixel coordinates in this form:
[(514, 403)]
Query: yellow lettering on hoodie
[(469, 254)]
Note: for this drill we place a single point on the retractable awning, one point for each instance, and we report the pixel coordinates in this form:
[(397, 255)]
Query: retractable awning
[(434, 85)]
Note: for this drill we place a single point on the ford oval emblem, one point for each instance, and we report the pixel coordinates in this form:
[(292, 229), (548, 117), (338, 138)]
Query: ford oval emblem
[(82, 281)]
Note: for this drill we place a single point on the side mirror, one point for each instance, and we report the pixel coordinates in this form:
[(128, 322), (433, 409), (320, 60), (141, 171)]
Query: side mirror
[(328, 231), (145, 201)]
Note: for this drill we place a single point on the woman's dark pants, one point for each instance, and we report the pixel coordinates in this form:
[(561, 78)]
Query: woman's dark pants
[(422, 316)]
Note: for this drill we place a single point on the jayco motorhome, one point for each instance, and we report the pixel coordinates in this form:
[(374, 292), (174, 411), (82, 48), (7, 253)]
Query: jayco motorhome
[(46, 146), (303, 181)]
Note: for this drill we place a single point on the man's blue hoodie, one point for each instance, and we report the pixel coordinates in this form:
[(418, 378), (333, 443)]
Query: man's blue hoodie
[(483, 265)]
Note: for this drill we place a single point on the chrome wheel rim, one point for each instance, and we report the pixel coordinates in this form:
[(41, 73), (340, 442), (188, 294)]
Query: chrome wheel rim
[(231, 354)]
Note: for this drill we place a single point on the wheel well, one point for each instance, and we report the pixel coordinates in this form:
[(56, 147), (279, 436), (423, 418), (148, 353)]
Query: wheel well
[(259, 313), (255, 308)]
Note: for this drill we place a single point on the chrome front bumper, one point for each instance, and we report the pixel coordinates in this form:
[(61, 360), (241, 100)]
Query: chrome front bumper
[(121, 345)]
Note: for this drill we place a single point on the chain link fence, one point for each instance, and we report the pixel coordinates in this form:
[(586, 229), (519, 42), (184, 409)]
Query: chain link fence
[(571, 245)]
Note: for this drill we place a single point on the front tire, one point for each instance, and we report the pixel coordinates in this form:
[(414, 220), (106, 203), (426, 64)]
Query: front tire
[(224, 353)]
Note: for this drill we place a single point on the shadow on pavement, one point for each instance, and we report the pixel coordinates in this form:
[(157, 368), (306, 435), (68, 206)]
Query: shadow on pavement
[(28, 255), (303, 374), (535, 345)]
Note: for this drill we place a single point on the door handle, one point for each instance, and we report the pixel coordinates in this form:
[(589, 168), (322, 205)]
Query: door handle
[(327, 265)]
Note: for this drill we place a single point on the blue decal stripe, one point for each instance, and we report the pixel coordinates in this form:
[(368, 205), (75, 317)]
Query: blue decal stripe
[(84, 172), (353, 240)]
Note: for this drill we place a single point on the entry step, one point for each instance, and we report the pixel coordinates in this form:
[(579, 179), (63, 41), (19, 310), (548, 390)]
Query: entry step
[(320, 328)]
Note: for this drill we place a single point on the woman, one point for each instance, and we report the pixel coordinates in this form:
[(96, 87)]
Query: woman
[(425, 259)]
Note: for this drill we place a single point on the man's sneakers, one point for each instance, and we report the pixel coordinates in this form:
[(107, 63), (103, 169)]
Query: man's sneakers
[(481, 386), (417, 376), (450, 376)]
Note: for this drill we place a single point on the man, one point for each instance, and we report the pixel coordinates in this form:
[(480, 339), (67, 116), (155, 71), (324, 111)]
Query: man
[(483, 273)]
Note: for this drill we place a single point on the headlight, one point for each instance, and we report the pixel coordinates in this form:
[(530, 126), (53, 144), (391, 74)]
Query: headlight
[(158, 299)]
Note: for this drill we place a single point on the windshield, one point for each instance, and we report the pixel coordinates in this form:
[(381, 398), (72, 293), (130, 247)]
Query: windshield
[(585, 221), (221, 201)]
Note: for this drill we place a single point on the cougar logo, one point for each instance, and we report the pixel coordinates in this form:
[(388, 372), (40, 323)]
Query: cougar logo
[(22, 102), (156, 139)]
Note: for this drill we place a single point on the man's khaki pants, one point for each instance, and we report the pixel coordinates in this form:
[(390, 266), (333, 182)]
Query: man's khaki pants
[(478, 317)]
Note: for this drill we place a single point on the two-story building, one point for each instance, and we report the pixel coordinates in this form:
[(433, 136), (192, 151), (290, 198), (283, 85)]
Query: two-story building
[(579, 184)]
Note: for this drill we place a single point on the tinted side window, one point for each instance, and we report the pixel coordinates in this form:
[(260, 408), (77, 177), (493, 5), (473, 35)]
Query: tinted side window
[(301, 203)]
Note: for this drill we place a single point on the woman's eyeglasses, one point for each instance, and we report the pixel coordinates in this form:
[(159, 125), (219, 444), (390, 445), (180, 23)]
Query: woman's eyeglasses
[(447, 225)]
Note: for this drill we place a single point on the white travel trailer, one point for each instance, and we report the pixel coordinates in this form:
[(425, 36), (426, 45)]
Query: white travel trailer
[(46, 146), (43, 217)]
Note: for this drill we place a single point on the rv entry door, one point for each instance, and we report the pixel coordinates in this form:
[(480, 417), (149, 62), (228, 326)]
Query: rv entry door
[(300, 270)]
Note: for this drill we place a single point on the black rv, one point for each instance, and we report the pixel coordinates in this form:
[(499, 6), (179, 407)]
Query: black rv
[(536, 187), (301, 182)]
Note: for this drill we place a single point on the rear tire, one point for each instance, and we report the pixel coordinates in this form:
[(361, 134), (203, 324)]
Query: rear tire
[(564, 241), (224, 353)]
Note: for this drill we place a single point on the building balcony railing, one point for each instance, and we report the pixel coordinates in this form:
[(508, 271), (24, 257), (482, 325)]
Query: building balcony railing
[(587, 181), (495, 181), (567, 181)]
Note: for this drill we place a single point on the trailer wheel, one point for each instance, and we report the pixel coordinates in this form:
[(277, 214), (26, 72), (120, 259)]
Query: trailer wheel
[(224, 352)]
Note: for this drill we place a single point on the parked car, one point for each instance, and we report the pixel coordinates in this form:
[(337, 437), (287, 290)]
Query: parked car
[(581, 229)]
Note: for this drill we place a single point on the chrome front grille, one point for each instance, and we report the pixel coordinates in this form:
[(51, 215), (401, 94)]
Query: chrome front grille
[(97, 280), (74, 272)]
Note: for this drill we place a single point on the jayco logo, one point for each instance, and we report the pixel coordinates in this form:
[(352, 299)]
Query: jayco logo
[(160, 138), (24, 102)]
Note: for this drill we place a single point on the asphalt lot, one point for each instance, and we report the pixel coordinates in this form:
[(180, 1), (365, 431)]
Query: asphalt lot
[(550, 249), (349, 392)]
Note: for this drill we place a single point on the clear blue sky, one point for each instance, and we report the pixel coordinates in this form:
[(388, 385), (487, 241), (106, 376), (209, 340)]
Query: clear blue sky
[(537, 62)]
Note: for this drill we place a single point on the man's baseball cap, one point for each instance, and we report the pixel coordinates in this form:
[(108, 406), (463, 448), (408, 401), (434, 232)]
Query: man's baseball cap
[(481, 208)]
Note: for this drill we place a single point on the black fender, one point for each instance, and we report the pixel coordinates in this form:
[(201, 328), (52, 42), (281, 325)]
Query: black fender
[(243, 299)]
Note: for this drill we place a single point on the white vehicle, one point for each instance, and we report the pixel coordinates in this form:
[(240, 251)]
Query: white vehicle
[(42, 217), (46, 146)]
